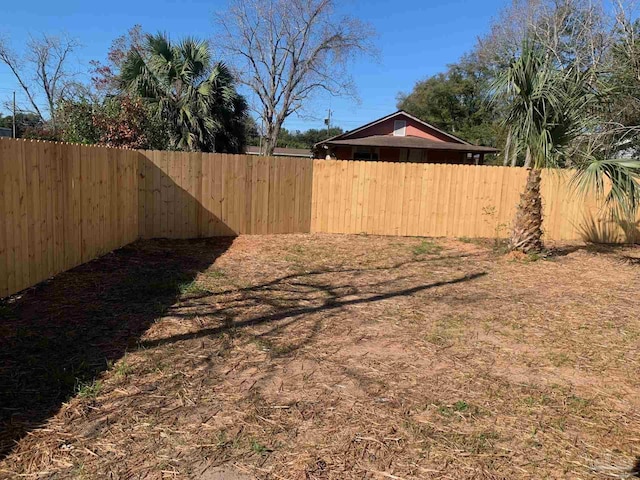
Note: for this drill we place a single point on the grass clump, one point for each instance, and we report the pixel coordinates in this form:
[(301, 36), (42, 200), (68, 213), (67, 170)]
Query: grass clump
[(215, 273), (192, 288), (258, 448), (88, 390), (120, 369), (461, 408), (427, 247)]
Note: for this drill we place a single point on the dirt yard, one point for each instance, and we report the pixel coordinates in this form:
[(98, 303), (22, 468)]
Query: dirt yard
[(325, 357)]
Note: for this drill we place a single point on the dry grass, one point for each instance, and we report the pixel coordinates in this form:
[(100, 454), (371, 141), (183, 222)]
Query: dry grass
[(327, 357)]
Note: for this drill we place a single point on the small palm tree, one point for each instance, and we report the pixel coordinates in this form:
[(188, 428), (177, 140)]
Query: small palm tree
[(551, 113), (195, 98)]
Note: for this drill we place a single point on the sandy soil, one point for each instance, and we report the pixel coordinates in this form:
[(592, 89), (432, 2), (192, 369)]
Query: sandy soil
[(325, 357)]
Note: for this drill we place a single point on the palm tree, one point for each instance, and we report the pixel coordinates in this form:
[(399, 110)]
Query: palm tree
[(195, 98), (552, 116)]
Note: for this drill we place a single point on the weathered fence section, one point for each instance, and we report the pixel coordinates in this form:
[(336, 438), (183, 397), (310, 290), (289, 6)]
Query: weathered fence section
[(437, 200), (62, 205), (188, 195)]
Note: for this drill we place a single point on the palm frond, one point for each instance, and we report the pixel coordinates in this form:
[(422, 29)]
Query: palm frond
[(616, 181), (548, 108)]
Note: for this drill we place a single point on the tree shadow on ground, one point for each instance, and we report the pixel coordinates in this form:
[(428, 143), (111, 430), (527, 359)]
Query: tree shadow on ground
[(57, 337), (332, 297)]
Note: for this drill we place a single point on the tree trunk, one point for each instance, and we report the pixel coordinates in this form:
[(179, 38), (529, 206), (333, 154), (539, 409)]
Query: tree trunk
[(271, 138), (527, 226), (507, 150), (269, 145)]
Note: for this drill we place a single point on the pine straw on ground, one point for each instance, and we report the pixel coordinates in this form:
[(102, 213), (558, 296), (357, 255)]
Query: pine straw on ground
[(335, 357)]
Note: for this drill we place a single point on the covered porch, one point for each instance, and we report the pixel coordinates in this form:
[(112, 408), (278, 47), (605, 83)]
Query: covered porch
[(387, 148)]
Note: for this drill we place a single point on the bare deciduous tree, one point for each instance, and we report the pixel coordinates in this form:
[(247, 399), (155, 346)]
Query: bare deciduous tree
[(285, 51), (42, 72), (573, 32)]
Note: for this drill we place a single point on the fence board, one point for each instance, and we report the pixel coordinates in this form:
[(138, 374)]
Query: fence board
[(4, 197)]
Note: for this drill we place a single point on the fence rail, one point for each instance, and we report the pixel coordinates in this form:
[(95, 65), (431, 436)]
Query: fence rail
[(62, 205)]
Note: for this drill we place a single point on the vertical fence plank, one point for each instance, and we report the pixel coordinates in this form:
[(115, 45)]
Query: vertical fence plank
[(59, 208), (21, 222), (205, 203), (11, 162), (4, 198), (141, 158), (376, 207)]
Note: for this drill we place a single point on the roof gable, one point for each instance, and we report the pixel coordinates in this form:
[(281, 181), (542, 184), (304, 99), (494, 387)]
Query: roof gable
[(372, 129)]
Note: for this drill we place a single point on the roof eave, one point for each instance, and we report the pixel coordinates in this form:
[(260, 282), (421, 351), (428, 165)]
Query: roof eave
[(467, 147)]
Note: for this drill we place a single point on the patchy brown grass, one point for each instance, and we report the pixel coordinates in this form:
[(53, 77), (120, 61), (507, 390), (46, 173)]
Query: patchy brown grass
[(326, 357)]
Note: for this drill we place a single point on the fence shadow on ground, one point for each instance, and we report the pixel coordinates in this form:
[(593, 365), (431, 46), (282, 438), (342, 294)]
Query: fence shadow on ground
[(57, 337)]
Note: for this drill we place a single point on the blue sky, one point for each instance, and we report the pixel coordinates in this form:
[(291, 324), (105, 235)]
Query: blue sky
[(416, 38)]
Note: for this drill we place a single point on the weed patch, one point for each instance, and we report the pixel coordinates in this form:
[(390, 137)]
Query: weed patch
[(427, 248), (89, 389)]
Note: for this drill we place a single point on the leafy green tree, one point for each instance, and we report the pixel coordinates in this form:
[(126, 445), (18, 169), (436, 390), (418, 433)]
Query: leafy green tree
[(251, 131), (76, 122), (624, 83), (129, 122), (24, 122), (455, 101), (195, 97), (115, 122), (306, 139)]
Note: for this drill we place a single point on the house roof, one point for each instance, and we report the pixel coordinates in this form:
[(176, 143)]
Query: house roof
[(383, 119), (410, 142), (282, 152)]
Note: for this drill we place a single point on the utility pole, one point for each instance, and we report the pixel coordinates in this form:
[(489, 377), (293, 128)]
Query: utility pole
[(327, 122), (14, 115)]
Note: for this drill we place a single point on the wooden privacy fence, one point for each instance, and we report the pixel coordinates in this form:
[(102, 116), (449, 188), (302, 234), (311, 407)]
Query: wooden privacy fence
[(62, 205), (438, 200), (188, 195)]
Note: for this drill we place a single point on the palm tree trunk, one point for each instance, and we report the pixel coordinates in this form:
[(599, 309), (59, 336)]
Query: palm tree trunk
[(527, 226), (527, 158)]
